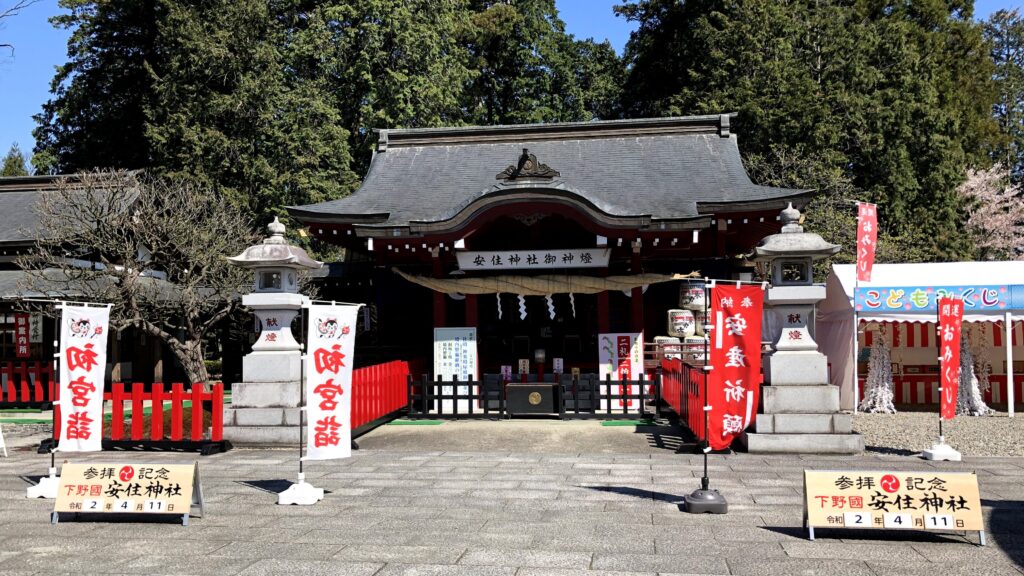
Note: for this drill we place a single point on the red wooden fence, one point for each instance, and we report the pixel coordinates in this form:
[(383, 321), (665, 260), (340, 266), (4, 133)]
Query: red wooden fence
[(682, 389), (26, 382), (378, 391), (157, 396)]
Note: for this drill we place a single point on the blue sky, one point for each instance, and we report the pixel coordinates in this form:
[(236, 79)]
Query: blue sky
[(39, 47)]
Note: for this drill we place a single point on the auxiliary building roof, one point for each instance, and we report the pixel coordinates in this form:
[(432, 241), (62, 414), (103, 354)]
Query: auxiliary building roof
[(653, 169)]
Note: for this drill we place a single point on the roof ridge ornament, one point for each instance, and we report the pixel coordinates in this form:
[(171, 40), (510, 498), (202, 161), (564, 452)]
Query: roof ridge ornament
[(527, 167)]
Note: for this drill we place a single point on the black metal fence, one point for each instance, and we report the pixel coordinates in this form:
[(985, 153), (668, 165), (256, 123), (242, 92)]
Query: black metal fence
[(582, 396)]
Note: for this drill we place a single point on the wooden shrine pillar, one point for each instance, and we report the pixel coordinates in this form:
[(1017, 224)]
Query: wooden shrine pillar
[(471, 311), (440, 307), (603, 312), (636, 323)]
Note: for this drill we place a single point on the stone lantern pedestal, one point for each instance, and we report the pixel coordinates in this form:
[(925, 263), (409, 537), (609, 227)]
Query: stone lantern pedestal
[(265, 405), (799, 408)]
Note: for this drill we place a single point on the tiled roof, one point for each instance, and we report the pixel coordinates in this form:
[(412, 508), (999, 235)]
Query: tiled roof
[(662, 169)]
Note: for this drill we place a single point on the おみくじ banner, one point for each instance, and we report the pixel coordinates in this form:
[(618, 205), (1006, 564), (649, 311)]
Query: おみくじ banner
[(330, 341), (83, 367)]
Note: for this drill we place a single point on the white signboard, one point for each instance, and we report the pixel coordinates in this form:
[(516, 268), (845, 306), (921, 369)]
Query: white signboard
[(621, 356), (83, 366), (455, 355), (533, 259), (558, 366), (331, 351)]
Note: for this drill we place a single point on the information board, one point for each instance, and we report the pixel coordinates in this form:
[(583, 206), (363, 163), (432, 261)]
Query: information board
[(620, 356), (129, 488), (923, 500), (455, 355)]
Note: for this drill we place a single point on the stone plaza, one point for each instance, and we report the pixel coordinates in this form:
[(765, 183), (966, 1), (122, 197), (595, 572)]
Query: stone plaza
[(526, 498)]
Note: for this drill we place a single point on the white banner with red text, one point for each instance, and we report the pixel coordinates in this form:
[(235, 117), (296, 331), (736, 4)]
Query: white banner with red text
[(330, 345), (734, 382), (951, 318), (83, 367)]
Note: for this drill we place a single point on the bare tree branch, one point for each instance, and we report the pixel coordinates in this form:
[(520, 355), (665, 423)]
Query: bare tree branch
[(11, 12), (155, 249)]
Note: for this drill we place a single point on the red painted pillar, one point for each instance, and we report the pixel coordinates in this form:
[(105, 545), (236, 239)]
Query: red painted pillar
[(440, 309)]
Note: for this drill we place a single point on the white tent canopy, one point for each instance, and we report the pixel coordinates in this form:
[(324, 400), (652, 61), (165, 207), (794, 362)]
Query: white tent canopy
[(835, 319)]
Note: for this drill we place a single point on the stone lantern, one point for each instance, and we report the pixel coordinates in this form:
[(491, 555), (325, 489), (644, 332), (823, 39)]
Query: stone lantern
[(800, 409), (265, 405)]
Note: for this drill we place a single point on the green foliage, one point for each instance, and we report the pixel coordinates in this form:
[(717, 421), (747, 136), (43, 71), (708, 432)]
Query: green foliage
[(529, 70), (1004, 31), (14, 163), (275, 103), (894, 97)]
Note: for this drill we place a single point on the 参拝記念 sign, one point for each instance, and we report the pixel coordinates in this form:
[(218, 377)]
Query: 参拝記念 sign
[(129, 488), (929, 500)]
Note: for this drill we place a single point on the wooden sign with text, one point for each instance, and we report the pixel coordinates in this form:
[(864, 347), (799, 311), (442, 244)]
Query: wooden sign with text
[(129, 488), (923, 500)]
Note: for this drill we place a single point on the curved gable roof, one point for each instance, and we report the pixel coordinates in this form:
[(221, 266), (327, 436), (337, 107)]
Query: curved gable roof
[(656, 169)]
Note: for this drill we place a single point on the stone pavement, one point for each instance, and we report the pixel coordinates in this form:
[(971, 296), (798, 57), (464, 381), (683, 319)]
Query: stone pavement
[(526, 501)]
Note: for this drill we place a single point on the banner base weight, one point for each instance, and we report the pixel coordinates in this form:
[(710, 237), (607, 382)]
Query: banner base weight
[(941, 451), (705, 502), (301, 494), (46, 488)]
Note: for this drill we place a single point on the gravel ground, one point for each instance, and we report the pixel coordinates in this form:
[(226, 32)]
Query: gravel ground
[(912, 432)]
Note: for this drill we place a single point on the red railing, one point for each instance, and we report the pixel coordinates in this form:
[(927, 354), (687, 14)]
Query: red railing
[(28, 382), (378, 391), (157, 396), (682, 389)]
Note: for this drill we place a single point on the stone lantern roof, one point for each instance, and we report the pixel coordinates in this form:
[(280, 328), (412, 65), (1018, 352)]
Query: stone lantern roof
[(793, 241), (275, 251)]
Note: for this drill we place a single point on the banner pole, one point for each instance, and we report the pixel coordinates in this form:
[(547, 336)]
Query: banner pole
[(47, 485), (56, 391), (704, 499), (302, 493), (938, 357), (302, 385)]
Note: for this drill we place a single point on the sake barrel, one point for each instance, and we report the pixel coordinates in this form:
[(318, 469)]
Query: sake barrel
[(681, 323), (691, 296)]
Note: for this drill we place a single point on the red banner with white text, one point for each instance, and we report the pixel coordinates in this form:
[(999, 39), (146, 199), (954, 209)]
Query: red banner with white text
[(951, 317), (867, 239), (734, 382)]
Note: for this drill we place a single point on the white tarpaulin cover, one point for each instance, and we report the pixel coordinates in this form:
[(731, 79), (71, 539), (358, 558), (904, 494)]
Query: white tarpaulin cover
[(835, 328)]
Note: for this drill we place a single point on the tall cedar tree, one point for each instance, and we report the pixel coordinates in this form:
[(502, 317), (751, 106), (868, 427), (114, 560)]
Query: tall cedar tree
[(530, 70), (1004, 31), (14, 163), (892, 98), (275, 103), (101, 95)]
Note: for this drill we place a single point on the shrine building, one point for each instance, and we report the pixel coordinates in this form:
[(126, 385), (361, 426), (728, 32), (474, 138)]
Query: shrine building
[(542, 237)]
